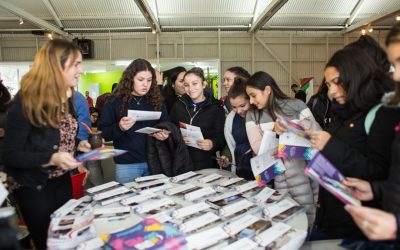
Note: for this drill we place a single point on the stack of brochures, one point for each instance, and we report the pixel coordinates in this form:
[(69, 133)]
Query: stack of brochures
[(188, 211), (71, 224)]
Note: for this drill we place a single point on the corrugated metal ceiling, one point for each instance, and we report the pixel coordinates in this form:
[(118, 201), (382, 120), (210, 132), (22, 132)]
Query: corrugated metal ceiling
[(116, 15)]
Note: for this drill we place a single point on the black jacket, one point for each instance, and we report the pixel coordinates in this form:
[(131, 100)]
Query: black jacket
[(359, 155), (27, 148), (134, 143), (301, 95), (319, 106), (391, 197), (169, 157), (210, 117)]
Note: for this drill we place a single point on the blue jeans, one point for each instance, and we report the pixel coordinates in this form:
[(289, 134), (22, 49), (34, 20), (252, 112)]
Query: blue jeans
[(128, 172)]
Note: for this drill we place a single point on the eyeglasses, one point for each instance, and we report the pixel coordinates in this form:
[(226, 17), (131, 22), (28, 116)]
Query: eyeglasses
[(95, 116)]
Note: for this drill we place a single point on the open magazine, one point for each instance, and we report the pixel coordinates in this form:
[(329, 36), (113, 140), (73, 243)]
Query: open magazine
[(321, 170)]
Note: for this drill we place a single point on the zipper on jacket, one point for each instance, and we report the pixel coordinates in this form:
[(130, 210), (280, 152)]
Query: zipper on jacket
[(191, 118)]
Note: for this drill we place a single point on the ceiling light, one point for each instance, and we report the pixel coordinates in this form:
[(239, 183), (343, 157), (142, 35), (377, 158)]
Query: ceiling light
[(153, 31), (21, 21), (370, 30), (398, 18), (363, 32), (50, 36)]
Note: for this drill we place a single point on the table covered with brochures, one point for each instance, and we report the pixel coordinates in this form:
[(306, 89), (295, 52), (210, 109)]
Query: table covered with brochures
[(206, 209)]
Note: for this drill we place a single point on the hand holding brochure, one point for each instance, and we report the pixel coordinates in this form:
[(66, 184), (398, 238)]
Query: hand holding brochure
[(292, 145), (140, 115), (265, 167), (192, 132), (99, 154), (321, 170), (148, 130), (293, 127)]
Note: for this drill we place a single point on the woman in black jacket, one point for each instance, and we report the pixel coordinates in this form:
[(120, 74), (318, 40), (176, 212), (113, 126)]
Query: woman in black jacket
[(40, 139), (5, 99), (198, 108), (356, 85), (376, 224)]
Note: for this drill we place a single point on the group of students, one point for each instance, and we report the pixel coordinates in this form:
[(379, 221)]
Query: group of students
[(42, 126)]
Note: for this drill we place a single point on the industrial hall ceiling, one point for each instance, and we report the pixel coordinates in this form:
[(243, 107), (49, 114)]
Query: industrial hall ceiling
[(77, 17)]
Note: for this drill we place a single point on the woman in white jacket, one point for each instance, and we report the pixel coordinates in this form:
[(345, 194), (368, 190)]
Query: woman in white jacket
[(271, 102), (235, 130)]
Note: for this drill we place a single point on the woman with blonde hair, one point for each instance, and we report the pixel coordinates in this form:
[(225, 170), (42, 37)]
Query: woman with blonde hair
[(40, 139)]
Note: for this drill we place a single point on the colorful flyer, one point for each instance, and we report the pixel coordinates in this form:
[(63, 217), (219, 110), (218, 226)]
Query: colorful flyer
[(340, 191), (147, 234), (323, 167), (265, 167), (192, 132), (99, 154), (294, 146), (321, 170)]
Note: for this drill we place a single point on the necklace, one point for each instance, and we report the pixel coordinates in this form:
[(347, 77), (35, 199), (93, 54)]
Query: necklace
[(138, 101)]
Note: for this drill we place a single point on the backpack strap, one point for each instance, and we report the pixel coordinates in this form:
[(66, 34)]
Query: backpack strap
[(369, 119)]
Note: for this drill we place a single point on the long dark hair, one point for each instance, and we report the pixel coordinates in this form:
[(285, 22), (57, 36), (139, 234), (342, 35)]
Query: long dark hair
[(125, 86), (394, 37), (372, 48), (363, 81), (260, 80), (5, 97), (239, 71), (168, 90), (238, 88)]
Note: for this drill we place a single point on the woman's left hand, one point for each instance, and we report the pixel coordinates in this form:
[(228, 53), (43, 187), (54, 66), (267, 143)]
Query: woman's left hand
[(375, 224), (206, 144), (84, 146), (161, 136), (362, 189), (82, 169), (319, 139)]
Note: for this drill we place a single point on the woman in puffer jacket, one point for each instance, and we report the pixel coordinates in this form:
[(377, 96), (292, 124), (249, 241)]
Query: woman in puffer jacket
[(270, 102)]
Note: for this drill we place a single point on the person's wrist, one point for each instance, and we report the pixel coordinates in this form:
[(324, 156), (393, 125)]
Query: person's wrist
[(397, 231), (51, 161), (121, 128)]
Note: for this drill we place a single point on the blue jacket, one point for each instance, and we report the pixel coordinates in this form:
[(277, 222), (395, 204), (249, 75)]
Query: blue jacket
[(82, 111)]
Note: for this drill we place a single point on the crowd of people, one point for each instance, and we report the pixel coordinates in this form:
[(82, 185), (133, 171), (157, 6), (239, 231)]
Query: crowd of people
[(352, 120)]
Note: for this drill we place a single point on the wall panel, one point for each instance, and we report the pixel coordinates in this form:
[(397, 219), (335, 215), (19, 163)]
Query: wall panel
[(306, 57)]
